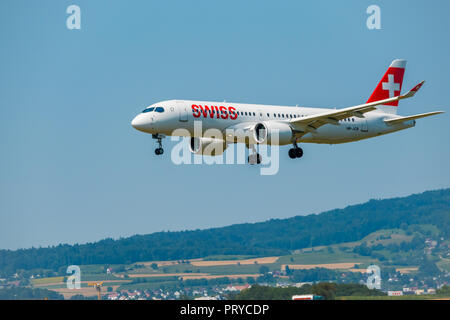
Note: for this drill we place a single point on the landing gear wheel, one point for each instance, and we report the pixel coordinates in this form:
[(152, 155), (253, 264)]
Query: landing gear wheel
[(292, 153), (254, 158), (295, 153), (159, 137)]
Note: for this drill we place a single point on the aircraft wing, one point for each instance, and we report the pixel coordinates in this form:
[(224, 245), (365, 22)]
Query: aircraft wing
[(408, 118), (313, 122)]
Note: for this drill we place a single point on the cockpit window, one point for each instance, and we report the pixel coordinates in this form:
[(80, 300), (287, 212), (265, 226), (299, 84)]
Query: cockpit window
[(148, 110), (159, 109)]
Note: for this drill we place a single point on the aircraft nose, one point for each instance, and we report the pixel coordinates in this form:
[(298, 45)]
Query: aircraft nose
[(139, 122)]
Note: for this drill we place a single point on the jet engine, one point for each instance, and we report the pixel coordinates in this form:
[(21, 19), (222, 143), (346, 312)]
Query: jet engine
[(266, 133), (207, 146)]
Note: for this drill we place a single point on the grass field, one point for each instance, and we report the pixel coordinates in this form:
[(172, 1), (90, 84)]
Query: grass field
[(444, 264), (324, 256), (227, 257), (46, 281), (333, 266), (230, 276), (209, 263)]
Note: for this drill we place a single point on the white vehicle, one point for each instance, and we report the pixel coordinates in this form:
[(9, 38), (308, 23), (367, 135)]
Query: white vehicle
[(307, 297), (282, 125)]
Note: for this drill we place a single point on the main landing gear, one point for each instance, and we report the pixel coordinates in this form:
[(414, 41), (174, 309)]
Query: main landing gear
[(254, 158), (159, 137), (295, 152)]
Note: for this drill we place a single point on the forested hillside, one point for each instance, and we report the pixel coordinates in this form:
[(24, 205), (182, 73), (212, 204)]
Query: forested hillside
[(273, 237)]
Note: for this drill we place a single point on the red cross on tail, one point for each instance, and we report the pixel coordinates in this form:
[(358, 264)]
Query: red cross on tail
[(391, 84)]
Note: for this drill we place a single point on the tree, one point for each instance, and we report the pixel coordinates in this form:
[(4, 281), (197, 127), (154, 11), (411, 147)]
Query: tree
[(324, 289), (444, 290), (428, 268), (20, 293), (263, 269), (287, 270)]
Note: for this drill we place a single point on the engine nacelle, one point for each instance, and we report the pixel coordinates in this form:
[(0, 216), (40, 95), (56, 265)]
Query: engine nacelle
[(266, 132), (207, 146)]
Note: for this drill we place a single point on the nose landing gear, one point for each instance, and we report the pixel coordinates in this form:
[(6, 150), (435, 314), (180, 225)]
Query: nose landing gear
[(159, 137), (295, 152)]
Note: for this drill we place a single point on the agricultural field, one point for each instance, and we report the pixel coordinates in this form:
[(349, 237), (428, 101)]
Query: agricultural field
[(144, 275), (241, 268)]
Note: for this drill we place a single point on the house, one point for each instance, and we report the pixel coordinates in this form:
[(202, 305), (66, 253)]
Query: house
[(431, 291), (395, 293), (420, 291), (113, 296), (206, 298), (240, 288)]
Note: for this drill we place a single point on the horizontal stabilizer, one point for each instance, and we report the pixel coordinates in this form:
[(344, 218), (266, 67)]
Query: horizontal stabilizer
[(417, 116)]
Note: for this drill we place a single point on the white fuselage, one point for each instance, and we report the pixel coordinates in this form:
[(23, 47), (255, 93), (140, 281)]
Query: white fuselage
[(181, 114)]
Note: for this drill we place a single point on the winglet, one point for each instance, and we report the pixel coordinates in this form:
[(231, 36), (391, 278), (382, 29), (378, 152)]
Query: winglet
[(413, 91)]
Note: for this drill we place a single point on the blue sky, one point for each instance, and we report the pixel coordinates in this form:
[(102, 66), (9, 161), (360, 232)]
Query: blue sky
[(73, 170)]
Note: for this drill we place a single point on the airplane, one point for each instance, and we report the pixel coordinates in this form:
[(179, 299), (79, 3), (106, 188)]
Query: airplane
[(256, 124)]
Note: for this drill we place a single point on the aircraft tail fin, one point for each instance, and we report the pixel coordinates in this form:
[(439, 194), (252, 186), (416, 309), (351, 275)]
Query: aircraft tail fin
[(390, 86)]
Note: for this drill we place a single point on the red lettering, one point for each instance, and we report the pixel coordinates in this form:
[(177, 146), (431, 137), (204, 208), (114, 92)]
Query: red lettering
[(224, 114), (233, 113), (217, 111), (195, 111), (207, 110)]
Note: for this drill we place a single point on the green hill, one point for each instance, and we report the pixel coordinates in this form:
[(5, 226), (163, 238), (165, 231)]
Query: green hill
[(273, 237)]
